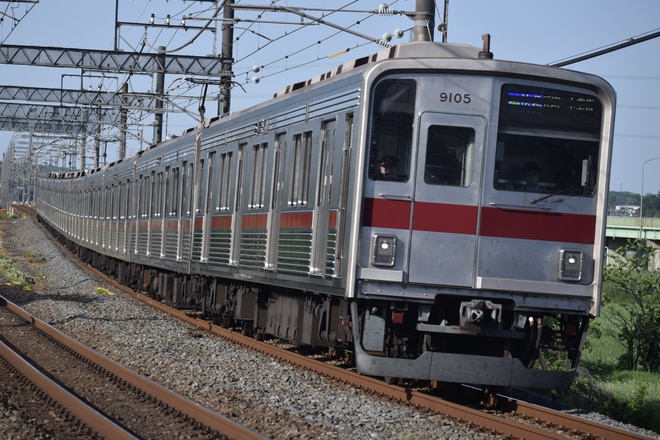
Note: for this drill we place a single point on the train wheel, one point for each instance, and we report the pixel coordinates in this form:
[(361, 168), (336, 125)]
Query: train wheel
[(393, 380), (246, 328)]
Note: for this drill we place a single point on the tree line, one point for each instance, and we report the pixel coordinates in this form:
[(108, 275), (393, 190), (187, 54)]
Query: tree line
[(632, 295), (651, 203)]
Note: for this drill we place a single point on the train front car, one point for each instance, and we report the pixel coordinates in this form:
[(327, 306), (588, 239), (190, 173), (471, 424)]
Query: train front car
[(482, 220)]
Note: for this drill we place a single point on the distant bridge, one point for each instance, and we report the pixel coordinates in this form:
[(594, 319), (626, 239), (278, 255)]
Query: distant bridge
[(621, 229), (629, 227)]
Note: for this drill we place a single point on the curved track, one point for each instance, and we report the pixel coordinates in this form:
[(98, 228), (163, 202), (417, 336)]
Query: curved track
[(521, 420), (110, 399), (516, 419)]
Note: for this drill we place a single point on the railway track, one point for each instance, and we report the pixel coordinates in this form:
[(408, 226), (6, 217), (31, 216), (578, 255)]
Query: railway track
[(26, 401), (514, 418), (517, 420), (101, 395)]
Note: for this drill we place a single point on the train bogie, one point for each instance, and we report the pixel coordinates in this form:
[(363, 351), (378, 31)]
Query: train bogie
[(437, 212)]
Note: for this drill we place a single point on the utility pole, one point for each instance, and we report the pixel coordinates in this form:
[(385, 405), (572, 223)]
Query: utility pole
[(424, 20), (97, 143), (83, 145), (224, 103), (160, 96), (123, 125)]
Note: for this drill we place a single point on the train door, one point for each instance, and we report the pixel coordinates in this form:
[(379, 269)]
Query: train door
[(237, 216), (165, 212), (126, 219), (185, 202), (321, 217), (139, 209), (443, 234), (150, 188), (277, 196), (206, 202)]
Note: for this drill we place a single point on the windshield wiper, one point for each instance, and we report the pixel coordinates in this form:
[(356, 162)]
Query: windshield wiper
[(568, 191), (547, 196)]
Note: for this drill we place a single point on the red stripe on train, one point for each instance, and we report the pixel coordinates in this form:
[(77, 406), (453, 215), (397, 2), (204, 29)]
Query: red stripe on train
[(383, 213), (290, 220), (221, 222), (495, 222), (546, 226), (296, 220), (172, 225), (254, 221), (443, 217)]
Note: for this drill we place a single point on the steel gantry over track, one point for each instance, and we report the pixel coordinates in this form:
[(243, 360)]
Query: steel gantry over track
[(72, 111), (111, 61), (82, 111)]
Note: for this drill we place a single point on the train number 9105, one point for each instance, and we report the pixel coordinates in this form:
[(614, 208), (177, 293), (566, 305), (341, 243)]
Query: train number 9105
[(455, 98)]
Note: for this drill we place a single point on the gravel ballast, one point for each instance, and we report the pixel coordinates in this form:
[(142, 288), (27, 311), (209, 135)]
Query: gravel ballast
[(253, 389)]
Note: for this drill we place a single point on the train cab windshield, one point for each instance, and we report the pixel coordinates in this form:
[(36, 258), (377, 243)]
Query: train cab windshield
[(448, 153), (392, 130), (548, 141)]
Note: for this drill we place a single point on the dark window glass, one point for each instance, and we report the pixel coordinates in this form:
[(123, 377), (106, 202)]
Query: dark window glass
[(393, 111), (548, 141)]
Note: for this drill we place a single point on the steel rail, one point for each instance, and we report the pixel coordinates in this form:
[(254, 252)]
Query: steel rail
[(186, 406), (79, 409), (433, 403)]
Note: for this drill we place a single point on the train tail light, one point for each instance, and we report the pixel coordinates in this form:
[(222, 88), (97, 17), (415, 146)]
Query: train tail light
[(398, 316), (570, 265), (383, 250), (571, 329)]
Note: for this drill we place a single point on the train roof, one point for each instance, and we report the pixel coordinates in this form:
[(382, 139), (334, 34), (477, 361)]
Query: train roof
[(420, 49), (410, 51)]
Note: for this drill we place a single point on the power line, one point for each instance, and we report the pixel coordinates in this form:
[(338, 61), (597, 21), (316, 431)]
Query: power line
[(607, 49)]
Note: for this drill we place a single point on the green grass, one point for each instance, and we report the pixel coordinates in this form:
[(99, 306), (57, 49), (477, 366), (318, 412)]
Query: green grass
[(602, 351), (15, 276), (602, 386)]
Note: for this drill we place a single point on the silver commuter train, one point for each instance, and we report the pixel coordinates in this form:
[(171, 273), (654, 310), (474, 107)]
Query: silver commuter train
[(435, 211)]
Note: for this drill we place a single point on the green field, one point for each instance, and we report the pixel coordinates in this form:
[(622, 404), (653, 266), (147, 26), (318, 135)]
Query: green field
[(603, 386)]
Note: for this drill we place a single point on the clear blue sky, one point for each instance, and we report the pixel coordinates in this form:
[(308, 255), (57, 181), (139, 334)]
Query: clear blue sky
[(521, 30)]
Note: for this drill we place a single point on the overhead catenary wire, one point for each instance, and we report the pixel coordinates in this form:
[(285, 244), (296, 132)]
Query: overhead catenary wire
[(607, 49)]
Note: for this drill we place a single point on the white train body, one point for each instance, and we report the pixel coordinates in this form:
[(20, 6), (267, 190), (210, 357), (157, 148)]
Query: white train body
[(481, 252)]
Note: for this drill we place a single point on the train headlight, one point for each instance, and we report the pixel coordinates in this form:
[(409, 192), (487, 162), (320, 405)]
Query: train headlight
[(570, 265), (383, 250)]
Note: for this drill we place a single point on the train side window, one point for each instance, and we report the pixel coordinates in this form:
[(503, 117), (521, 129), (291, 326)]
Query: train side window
[(127, 197), (141, 206), (184, 206), (225, 176), (278, 178), (152, 196), (238, 192), (392, 117), (208, 184), (302, 149), (187, 188), (175, 193), (144, 207), (200, 194), (158, 195), (108, 203), (258, 177), (448, 152), (167, 193), (117, 208)]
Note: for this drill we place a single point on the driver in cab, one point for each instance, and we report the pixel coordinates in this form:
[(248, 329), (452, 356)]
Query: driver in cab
[(387, 169)]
